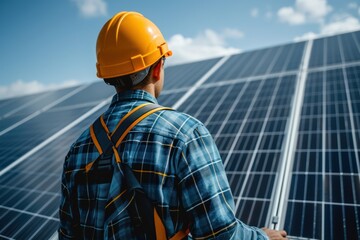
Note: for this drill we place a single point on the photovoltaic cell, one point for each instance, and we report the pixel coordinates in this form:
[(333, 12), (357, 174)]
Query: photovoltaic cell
[(168, 98), (327, 51), (24, 106), (260, 62), (185, 75), (8, 105), (89, 96)]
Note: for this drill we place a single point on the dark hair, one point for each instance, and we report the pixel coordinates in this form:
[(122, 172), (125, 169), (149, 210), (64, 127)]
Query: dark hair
[(125, 82), (122, 82)]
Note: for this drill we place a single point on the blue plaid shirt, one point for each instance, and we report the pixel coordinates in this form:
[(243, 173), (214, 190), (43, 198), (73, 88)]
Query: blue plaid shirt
[(177, 163)]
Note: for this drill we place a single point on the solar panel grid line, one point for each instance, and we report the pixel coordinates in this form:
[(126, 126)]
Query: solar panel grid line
[(25, 212), (9, 104), (75, 106), (275, 58), (262, 60), (287, 59), (8, 114), (270, 67), (357, 42), (323, 149), (170, 91), (54, 236), (353, 131), (239, 132), (350, 47), (279, 204), (185, 75), (247, 79), (258, 58), (31, 116), (15, 203), (218, 105), (334, 55), (257, 146), (33, 218), (5, 237), (233, 108), (54, 136), (250, 62), (44, 165), (233, 105), (39, 229), (25, 183), (349, 105), (198, 99), (334, 66), (32, 190), (339, 97), (227, 117), (200, 82), (326, 202)]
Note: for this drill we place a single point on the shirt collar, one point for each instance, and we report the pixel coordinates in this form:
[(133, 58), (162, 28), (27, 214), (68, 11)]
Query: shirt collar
[(133, 95)]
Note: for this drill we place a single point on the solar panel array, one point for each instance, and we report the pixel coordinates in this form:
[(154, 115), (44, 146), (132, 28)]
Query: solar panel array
[(286, 120)]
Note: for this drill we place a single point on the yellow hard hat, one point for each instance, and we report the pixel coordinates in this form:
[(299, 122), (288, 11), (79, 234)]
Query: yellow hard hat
[(128, 43)]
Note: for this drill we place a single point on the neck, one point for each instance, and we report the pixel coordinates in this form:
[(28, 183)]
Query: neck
[(148, 88)]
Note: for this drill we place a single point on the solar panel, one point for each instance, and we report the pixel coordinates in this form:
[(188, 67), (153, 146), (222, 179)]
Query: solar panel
[(286, 121), (27, 105), (324, 195), (30, 194), (248, 121), (184, 75)]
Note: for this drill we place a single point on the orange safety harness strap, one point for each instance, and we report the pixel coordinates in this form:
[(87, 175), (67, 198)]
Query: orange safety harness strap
[(106, 143)]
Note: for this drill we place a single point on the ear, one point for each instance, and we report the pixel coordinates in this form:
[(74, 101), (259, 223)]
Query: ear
[(156, 73)]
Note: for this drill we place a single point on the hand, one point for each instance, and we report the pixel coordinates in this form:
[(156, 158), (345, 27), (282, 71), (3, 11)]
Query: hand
[(275, 234)]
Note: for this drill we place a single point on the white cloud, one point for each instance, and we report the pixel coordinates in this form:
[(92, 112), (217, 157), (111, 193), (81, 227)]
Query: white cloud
[(306, 36), (315, 9), (21, 87), (339, 24), (291, 16), (254, 12), (304, 11), (205, 45), (232, 33), (91, 8)]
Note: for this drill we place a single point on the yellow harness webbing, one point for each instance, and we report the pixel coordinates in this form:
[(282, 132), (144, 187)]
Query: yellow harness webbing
[(107, 143)]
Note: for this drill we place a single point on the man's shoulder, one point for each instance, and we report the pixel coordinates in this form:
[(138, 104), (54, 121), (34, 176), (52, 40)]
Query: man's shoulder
[(177, 123)]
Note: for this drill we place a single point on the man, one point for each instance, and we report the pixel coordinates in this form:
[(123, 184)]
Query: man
[(172, 154)]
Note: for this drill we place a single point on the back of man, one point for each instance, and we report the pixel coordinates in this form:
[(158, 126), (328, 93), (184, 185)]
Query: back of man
[(176, 162), (172, 155)]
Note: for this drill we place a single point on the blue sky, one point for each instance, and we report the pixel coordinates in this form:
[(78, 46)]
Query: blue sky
[(47, 44)]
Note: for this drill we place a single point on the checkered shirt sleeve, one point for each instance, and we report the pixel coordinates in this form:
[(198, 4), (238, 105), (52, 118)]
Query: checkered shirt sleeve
[(206, 195)]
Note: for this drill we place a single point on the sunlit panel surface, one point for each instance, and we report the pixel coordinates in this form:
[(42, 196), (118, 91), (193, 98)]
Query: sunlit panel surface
[(286, 121)]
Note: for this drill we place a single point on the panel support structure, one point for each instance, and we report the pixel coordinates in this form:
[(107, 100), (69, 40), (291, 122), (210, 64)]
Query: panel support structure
[(279, 202)]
